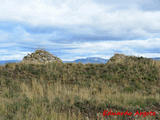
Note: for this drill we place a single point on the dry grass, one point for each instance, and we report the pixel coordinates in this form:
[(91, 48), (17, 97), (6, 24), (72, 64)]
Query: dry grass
[(59, 91)]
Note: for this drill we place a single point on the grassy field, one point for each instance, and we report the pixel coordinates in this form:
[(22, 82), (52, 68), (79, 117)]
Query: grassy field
[(69, 91)]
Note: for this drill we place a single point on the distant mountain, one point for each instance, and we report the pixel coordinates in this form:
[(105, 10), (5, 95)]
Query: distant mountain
[(8, 61), (156, 58), (97, 60)]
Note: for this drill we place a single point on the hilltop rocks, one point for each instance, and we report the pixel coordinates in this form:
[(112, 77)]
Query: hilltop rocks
[(123, 59), (40, 56), (117, 58)]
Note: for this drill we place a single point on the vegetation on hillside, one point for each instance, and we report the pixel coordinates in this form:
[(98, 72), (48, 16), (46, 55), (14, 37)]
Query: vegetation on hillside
[(70, 91)]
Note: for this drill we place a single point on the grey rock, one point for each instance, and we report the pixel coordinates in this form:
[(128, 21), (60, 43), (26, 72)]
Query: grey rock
[(40, 56)]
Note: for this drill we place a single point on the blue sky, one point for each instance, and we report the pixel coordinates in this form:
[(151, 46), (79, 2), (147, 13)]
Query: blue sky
[(72, 29)]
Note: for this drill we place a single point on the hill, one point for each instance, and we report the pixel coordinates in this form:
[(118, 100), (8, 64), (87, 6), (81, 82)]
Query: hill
[(70, 91)]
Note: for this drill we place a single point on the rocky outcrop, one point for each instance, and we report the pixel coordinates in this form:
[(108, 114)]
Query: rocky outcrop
[(117, 58), (124, 59), (40, 56)]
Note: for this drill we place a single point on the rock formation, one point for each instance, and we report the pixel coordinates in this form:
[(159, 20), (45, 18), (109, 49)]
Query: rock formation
[(124, 59), (40, 56), (117, 58)]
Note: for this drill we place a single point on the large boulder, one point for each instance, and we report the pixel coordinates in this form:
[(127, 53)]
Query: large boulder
[(40, 56)]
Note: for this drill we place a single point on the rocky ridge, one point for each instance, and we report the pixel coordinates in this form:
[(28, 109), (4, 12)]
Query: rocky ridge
[(117, 58), (40, 56), (124, 59)]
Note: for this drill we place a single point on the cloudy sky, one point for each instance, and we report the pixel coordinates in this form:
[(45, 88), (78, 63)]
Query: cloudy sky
[(72, 29)]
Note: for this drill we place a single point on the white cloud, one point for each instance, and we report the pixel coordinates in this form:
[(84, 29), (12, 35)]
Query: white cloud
[(107, 17), (12, 55), (106, 49), (125, 19)]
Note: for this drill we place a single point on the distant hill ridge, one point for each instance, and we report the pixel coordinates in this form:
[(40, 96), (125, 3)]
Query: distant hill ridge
[(42, 56), (89, 60), (2, 62)]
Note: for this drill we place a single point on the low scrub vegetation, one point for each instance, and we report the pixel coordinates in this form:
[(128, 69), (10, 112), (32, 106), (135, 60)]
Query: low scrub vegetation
[(69, 91)]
